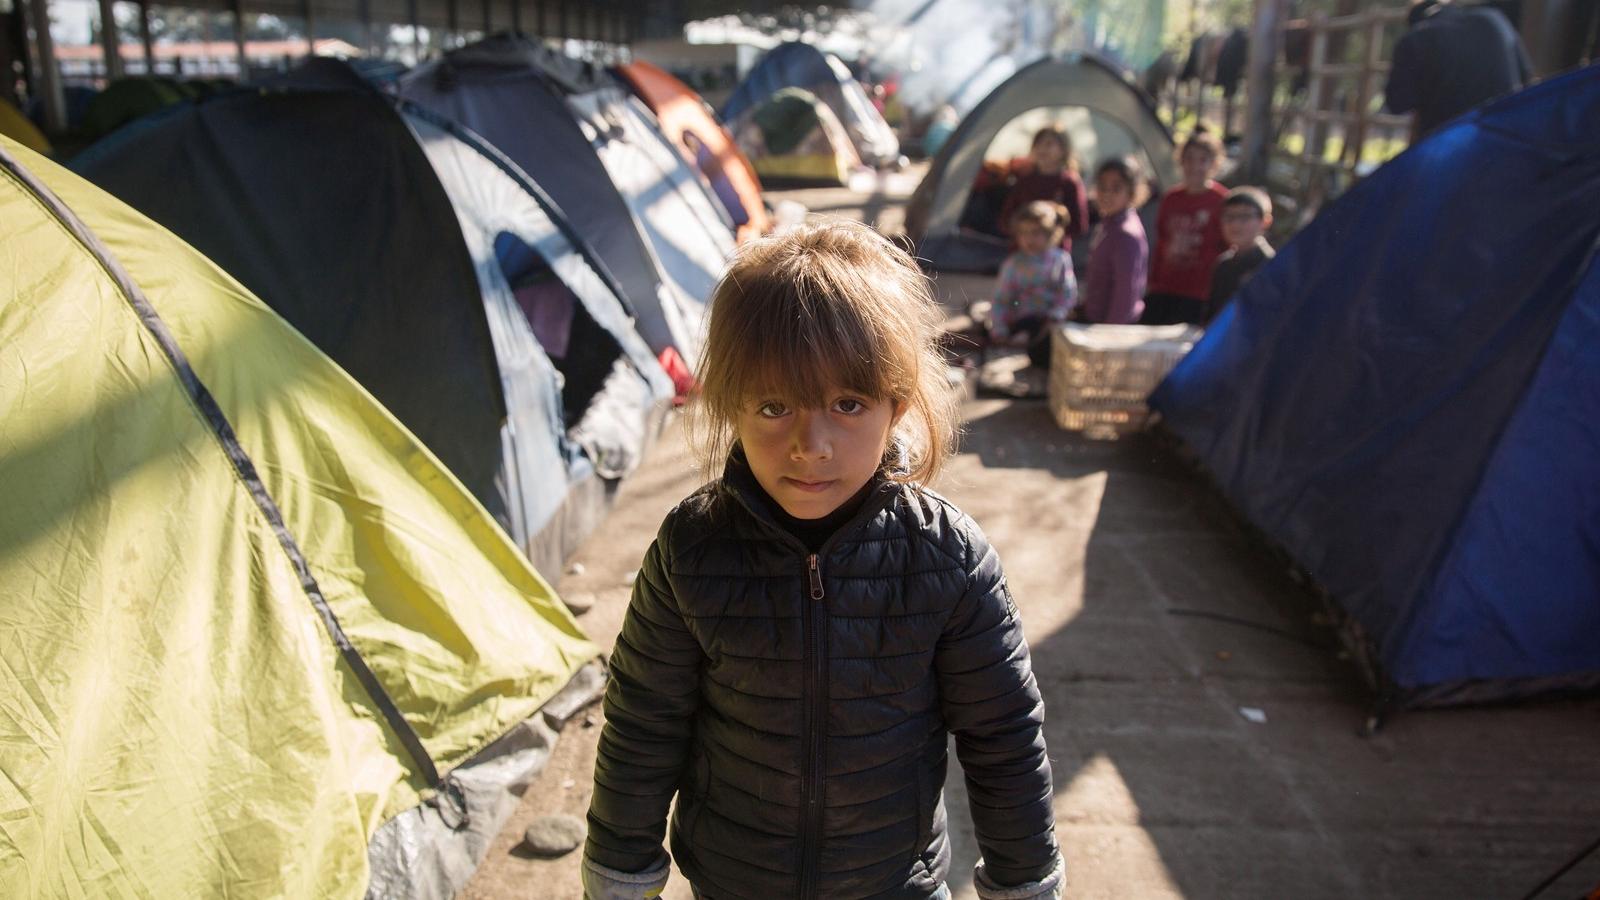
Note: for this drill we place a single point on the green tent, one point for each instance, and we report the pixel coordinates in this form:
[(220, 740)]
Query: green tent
[(253, 634), (127, 99)]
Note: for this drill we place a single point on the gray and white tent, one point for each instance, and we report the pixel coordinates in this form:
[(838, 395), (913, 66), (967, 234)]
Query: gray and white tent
[(1103, 112), (596, 148)]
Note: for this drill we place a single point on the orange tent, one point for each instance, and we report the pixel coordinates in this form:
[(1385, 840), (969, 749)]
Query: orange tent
[(704, 143)]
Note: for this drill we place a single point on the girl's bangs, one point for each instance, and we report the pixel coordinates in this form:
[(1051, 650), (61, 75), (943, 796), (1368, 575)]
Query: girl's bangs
[(800, 371)]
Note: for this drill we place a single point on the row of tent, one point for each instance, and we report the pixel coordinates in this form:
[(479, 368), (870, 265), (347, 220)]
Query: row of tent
[(503, 247), (304, 385)]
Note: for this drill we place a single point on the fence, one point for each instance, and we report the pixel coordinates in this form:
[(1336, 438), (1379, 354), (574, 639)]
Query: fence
[(1346, 62)]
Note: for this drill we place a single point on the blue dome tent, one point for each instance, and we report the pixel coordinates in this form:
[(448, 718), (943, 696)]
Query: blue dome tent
[(799, 65), (1407, 400)]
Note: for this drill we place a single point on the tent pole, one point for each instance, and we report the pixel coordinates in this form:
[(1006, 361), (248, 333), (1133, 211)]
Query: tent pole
[(238, 40), (55, 99), (488, 19), (453, 18), (539, 24), (146, 38), (310, 15), (110, 41), (516, 16)]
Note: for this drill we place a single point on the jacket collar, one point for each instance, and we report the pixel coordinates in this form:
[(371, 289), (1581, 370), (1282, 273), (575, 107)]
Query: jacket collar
[(739, 482)]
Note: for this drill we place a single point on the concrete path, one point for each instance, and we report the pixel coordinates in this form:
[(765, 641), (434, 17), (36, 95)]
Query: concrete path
[(1158, 630)]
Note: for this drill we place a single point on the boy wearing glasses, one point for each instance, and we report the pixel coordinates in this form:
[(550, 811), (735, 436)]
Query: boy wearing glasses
[(1246, 215)]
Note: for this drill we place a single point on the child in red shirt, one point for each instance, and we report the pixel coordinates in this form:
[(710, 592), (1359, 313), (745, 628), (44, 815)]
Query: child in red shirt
[(1188, 237)]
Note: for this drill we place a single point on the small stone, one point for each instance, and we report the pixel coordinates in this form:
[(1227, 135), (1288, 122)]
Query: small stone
[(568, 784), (579, 602), (632, 577), (575, 569), (555, 835), (590, 720)]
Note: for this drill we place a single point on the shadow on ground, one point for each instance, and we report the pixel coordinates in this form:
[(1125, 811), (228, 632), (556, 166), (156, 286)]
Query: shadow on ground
[(1156, 623)]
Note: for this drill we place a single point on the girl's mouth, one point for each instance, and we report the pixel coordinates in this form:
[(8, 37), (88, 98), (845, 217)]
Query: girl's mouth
[(810, 487)]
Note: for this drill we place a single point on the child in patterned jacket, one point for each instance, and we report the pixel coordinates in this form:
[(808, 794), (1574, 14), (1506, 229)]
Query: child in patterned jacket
[(1037, 287)]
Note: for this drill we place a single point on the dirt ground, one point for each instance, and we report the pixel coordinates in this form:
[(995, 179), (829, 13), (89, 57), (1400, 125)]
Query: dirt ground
[(1202, 725)]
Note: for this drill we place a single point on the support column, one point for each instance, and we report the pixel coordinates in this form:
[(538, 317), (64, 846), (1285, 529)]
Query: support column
[(55, 99), (147, 38), (110, 41), (488, 18), (1264, 32), (364, 13), (308, 13), (239, 40), (416, 31)]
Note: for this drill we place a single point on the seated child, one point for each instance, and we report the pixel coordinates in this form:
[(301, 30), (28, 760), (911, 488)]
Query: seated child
[(1037, 287), (1246, 214), (1050, 172), (1119, 255), (811, 628), (1188, 236)]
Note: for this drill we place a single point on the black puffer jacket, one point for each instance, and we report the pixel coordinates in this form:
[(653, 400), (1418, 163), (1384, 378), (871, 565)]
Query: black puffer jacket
[(798, 704)]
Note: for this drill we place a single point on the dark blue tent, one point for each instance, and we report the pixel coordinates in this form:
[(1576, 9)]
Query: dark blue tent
[(799, 65), (1408, 401)]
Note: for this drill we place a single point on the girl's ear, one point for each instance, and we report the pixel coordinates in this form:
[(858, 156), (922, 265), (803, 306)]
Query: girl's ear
[(901, 407)]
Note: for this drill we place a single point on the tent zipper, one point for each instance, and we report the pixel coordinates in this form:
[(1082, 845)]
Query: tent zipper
[(811, 783)]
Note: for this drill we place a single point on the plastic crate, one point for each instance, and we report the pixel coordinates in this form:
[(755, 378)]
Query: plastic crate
[(1101, 375)]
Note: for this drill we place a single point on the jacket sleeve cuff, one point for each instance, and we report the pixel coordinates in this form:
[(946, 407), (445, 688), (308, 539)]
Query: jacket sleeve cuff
[(1050, 887), (602, 883)]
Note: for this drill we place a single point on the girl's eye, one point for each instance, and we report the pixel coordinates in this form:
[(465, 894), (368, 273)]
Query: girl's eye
[(849, 406), (772, 409)]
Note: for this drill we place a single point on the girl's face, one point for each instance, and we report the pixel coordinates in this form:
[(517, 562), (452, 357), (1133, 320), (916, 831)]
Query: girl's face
[(1197, 163), (1113, 193), (811, 460), (1048, 154), (1032, 238)]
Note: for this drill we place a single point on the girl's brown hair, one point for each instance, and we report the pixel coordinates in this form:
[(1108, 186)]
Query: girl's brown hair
[(1052, 217), (819, 307), (1128, 169), (1069, 160)]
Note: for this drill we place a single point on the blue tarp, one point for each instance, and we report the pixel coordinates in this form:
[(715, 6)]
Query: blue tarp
[(1408, 401)]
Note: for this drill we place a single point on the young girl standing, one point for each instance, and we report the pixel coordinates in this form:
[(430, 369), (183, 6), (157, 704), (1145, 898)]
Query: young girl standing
[(808, 627), (1119, 255), (1036, 287), (1188, 236)]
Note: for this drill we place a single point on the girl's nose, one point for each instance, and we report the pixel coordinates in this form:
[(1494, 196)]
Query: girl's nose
[(810, 441)]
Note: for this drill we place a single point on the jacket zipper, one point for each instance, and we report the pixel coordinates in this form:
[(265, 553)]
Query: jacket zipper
[(811, 785)]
